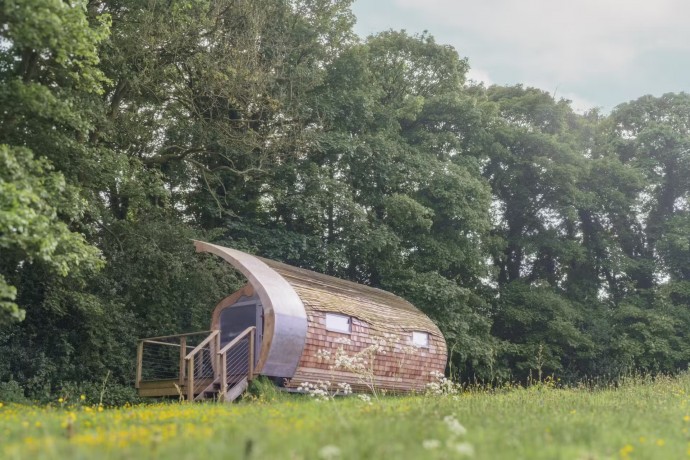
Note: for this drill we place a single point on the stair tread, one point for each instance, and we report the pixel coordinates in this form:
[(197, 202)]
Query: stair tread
[(235, 392)]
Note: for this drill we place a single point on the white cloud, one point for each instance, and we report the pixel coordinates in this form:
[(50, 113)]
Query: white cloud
[(594, 52), (479, 76), (566, 41), (578, 103)]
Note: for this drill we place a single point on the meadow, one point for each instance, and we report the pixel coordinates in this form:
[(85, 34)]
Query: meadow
[(639, 418)]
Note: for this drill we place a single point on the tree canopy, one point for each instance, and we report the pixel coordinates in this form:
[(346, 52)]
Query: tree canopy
[(539, 239)]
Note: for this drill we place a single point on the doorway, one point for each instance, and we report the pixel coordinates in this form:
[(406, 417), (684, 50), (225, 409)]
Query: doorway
[(236, 318)]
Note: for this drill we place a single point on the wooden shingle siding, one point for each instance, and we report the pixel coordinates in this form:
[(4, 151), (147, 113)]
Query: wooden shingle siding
[(402, 368)]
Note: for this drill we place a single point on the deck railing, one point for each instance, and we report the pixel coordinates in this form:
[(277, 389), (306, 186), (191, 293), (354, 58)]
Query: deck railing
[(237, 361), (194, 365), (203, 366), (162, 358)]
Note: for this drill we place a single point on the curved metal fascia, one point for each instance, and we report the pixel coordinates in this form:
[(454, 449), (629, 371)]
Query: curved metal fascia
[(285, 318)]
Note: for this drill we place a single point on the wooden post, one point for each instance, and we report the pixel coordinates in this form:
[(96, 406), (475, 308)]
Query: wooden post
[(223, 374), (190, 379), (217, 358), (250, 374), (140, 362), (183, 353)]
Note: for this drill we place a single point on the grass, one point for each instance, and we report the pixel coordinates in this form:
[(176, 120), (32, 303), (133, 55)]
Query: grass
[(639, 419)]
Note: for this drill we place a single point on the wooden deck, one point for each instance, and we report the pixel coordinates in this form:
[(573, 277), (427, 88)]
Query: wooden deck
[(168, 387), (166, 367)]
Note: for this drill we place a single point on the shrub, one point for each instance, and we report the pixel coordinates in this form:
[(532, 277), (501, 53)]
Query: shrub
[(12, 392)]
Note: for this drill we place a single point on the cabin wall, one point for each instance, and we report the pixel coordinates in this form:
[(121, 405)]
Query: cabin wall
[(402, 368)]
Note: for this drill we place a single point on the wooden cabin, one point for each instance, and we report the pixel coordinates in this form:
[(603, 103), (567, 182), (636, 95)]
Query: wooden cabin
[(290, 324)]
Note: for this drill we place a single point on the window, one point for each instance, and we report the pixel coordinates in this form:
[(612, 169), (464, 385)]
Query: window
[(338, 323), (420, 339)]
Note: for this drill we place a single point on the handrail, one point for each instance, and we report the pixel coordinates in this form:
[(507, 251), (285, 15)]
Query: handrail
[(223, 353), (232, 343), (174, 336), (190, 358), (167, 344), (202, 344)]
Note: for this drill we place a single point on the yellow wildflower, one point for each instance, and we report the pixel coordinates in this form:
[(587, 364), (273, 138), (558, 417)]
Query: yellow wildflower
[(686, 418), (626, 450), (660, 442)]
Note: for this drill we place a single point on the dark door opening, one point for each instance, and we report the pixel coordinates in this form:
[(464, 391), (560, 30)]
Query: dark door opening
[(236, 318)]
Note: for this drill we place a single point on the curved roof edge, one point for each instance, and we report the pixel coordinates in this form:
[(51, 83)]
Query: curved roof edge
[(285, 318)]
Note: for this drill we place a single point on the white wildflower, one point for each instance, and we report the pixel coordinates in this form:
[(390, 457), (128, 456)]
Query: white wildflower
[(440, 385), (365, 398), (329, 452), (344, 388), (379, 346), (318, 390), (436, 375), (465, 449), (323, 356), (349, 363), (454, 425), (430, 444)]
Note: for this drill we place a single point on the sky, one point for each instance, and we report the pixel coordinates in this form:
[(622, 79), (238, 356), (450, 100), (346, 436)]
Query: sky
[(597, 53)]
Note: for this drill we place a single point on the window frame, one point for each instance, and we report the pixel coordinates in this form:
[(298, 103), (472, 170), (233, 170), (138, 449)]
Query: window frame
[(426, 336), (333, 328)]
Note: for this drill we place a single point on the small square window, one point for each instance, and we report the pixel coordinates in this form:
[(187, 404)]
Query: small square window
[(338, 323), (420, 339)]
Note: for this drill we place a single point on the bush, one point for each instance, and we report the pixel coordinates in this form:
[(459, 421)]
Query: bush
[(264, 388), (12, 392)]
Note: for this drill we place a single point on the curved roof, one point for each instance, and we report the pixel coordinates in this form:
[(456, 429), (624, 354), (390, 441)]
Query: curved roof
[(285, 318), (288, 292), (383, 311)]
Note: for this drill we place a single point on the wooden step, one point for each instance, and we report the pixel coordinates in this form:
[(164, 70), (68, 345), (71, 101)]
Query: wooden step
[(156, 388), (235, 392), (209, 392)]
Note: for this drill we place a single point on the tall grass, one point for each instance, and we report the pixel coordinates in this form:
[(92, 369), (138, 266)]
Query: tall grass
[(639, 417)]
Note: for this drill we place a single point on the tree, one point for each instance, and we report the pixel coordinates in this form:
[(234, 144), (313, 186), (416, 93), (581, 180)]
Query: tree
[(652, 135), (388, 193), (49, 58)]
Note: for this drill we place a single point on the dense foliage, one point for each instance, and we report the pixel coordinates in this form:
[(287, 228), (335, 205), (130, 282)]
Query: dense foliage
[(540, 240)]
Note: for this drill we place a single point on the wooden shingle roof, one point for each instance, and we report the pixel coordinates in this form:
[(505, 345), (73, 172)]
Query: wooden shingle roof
[(382, 310)]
